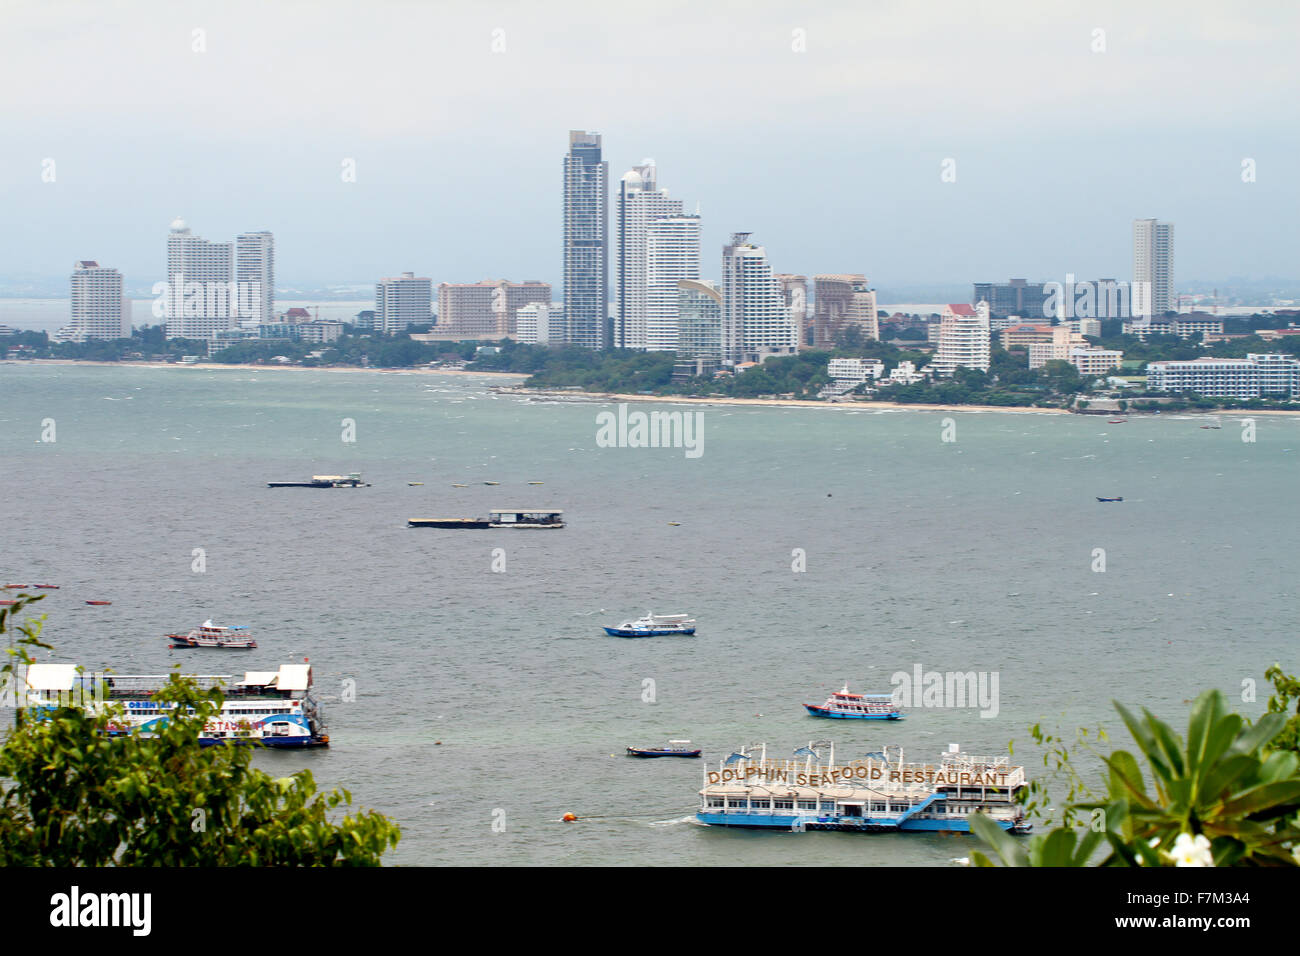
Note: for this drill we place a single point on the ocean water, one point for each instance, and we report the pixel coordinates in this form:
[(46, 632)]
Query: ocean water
[(487, 696)]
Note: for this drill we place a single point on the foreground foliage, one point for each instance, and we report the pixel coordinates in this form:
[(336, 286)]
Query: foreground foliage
[(1227, 795), (69, 796)]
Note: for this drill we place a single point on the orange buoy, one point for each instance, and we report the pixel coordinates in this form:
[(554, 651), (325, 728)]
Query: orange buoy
[(569, 818)]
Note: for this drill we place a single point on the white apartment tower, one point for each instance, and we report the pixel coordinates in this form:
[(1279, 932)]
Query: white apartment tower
[(97, 308), (963, 339), (403, 301), (755, 318), (655, 246), (1153, 267), (201, 296), (255, 271)]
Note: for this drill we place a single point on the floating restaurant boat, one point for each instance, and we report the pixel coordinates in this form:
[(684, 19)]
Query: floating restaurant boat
[(273, 708), (497, 518), (843, 705), (877, 794), (675, 748), (236, 637), (654, 625), (322, 481), (1110, 499)]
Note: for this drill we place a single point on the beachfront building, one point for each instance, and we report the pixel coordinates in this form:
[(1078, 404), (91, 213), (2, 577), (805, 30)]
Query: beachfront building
[(905, 373), (403, 301), (963, 340), (850, 373), (255, 271), (842, 302), (756, 322), (201, 297), (1255, 376), (539, 323), (1093, 362), (487, 309), (97, 309), (1056, 348)]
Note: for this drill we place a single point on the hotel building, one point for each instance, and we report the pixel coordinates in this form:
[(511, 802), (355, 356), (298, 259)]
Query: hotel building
[(755, 319), (1255, 376), (963, 340), (97, 308), (403, 301), (586, 242)]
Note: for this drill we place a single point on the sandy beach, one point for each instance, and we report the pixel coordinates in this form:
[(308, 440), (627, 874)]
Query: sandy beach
[(221, 366)]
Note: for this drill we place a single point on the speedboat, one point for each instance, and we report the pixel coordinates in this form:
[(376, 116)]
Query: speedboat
[(1111, 499), (675, 748), (654, 625)]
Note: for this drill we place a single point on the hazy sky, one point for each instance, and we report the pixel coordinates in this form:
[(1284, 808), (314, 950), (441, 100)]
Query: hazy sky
[(822, 128)]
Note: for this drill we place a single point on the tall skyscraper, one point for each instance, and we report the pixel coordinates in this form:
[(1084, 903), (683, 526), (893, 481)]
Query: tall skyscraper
[(755, 319), (842, 302), (656, 246), (98, 310), (586, 243), (1153, 267), (403, 301), (202, 297), (255, 271)]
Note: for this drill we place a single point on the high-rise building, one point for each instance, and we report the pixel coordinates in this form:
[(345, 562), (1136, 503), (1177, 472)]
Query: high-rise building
[(1255, 376), (842, 302), (795, 290), (401, 302), (586, 242), (486, 309), (672, 255), (963, 339), (202, 297), (98, 310), (255, 270), (1153, 267), (699, 310), (1015, 297), (639, 205), (755, 319)]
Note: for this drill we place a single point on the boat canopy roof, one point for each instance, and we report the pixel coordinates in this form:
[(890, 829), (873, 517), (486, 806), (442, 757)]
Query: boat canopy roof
[(525, 511), (51, 676)]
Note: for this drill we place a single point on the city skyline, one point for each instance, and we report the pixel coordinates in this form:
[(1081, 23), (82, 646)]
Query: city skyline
[(1045, 176)]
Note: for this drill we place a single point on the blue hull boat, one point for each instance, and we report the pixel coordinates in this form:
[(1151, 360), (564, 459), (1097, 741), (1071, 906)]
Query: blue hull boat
[(647, 631), (817, 711)]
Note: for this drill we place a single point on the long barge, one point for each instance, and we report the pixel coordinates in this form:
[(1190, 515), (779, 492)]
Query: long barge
[(877, 794), (322, 481), (271, 708), (498, 518)]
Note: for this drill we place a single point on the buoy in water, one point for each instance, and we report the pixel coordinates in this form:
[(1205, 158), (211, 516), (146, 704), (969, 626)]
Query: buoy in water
[(569, 818)]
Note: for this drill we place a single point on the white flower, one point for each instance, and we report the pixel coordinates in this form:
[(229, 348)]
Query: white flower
[(1191, 850)]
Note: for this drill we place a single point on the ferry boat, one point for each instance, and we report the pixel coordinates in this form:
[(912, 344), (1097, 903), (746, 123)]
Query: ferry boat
[(497, 518), (272, 708), (653, 625), (844, 705), (236, 637), (322, 481), (675, 748), (878, 794)]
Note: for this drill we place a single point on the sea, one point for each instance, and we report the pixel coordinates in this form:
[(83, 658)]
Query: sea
[(469, 690)]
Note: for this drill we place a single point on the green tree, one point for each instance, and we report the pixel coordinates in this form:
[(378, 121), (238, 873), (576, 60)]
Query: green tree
[(1228, 794), (72, 796)]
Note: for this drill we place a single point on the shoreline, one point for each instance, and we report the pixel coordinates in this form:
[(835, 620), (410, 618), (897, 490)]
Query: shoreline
[(603, 397), (219, 366)]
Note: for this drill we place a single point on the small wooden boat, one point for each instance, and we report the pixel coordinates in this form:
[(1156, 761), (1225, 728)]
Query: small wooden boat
[(491, 482), (1110, 499), (675, 748), (535, 482), (415, 484), (98, 603), (460, 486), (47, 587), (7, 603), (1117, 421), (18, 587)]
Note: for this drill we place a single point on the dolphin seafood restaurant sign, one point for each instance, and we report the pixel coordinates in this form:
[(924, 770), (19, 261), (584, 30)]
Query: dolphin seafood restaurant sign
[(932, 776)]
